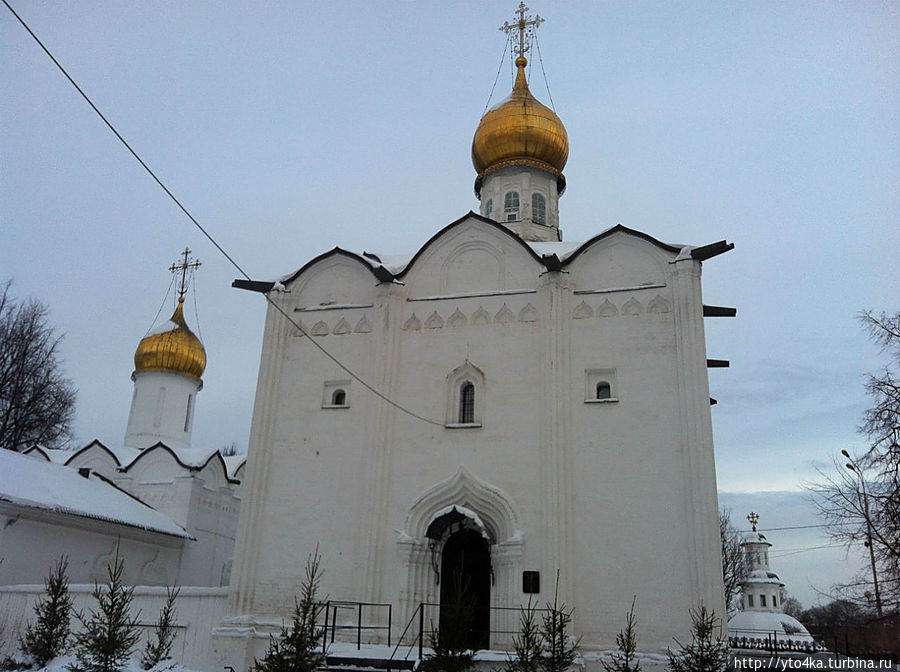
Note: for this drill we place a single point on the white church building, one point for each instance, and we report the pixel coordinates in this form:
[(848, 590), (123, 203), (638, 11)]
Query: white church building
[(501, 405), (761, 628), (168, 509)]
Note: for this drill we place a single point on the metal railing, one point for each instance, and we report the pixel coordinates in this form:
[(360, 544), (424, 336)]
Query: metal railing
[(331, 626), (414, 639)]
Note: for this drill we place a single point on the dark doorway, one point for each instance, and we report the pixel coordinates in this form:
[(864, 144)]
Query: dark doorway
[(466, 589)]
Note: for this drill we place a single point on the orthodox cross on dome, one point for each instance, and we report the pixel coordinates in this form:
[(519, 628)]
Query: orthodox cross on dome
[(182, 266), (525, 26), (754, 519)]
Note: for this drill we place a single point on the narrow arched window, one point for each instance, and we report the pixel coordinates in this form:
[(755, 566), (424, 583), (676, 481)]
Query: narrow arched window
[(489, 208), (339, 398), (511, 206), (189, 411), (467, 403), (604, 391), (538, 209)]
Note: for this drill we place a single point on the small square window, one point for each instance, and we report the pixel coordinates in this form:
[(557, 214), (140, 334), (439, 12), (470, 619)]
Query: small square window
[(336, 394), (600, 386), (531, 582)]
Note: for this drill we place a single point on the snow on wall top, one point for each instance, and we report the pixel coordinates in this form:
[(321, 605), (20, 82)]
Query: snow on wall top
[(28, 482), (759, 624)]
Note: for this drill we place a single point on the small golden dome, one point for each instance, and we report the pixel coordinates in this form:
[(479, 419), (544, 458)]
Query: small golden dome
[(172, 348), (520, 131)]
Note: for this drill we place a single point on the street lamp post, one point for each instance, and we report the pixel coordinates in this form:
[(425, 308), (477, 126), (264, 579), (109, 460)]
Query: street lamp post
[(854, 467)]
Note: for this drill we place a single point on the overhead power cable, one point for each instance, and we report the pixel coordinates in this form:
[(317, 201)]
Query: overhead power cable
[(162, 305), (794, 527), (546, 81), (780, 554), (209, 237), (499, 68)]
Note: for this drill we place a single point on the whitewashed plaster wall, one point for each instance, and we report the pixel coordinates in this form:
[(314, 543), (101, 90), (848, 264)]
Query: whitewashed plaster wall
[(197, 611), (202, 501), (162, 409), (594, 490), (29, 548)]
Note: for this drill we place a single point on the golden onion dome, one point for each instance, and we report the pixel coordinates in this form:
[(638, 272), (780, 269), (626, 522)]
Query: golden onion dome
[(172, 347), (520, 131)]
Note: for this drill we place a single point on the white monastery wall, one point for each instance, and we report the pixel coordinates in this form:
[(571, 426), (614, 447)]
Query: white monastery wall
[(29, 548), (198, 611)]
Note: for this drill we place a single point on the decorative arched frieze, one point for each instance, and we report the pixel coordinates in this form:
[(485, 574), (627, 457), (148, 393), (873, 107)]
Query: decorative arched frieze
[(504, 316), (457, 319), (607, 309), (412, 324), (528, 314), (658, 305), (632, 307), (583, 311), (481, 316), (342, 327)]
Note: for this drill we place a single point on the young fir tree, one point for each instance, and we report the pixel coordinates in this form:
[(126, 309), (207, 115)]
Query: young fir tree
[(297, 649), (449, 643), (707, 652), (47, 637), (159, 645), (528, 644), (560, 650), (110, 633), (626, 640)]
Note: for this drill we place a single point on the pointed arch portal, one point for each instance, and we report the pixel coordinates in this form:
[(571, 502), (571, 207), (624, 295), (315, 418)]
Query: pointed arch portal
[(464, 529)]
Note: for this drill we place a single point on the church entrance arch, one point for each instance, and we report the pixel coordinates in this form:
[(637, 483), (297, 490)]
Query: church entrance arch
[(490, 552), (465, 580)]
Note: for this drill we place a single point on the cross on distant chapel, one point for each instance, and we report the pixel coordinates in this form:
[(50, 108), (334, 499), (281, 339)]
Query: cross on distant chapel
[(183, 265)]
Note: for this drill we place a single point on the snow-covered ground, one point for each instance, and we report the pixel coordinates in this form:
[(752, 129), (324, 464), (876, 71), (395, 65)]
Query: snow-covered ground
[(61, 664)]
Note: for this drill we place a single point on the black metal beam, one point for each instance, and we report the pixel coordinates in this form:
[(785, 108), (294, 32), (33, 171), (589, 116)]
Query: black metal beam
[(253, 285), (712, 250), (717, 363), (383, 274), (713, 402), (552, 262), (718, 311)]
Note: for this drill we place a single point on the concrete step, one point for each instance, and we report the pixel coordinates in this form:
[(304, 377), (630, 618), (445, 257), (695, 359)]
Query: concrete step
[(347, 663)]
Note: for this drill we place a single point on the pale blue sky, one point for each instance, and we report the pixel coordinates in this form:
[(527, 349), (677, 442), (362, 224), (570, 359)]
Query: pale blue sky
[(289, 128)]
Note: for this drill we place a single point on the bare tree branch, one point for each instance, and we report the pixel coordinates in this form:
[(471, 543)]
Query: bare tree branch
[(860, 500), (37, 402)]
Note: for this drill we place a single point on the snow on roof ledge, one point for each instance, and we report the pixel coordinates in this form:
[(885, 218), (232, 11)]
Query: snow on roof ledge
[(28, 482)]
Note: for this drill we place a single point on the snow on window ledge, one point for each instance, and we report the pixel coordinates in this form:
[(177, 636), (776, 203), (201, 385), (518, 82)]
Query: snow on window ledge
[(611, 400), (332, 406), (463, 425)]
